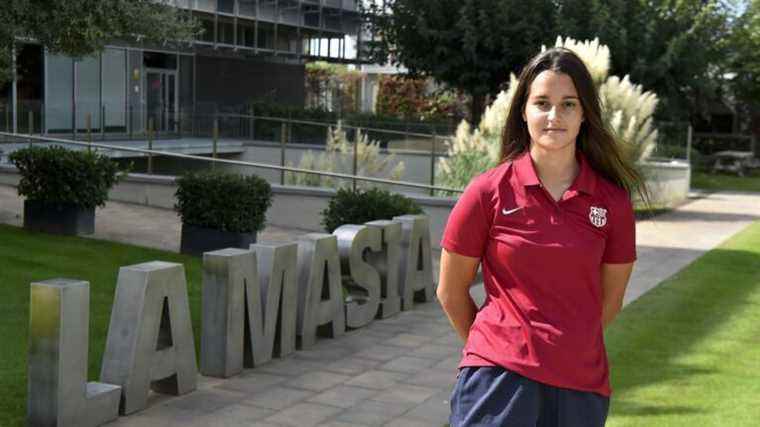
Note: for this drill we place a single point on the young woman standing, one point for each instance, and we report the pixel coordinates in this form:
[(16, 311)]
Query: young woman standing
[(553, 228)]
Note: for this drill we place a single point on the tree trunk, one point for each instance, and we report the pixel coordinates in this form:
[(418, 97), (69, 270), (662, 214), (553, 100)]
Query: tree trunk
[(477, 106)]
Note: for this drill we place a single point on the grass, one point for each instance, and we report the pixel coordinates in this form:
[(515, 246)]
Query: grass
[(26, 257), (688, 352), (720, 181)]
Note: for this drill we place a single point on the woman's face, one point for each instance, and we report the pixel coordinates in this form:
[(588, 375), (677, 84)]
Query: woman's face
[(553, 112)]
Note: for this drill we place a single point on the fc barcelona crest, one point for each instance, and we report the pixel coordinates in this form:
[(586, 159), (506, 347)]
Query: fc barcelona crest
[(598, 216)]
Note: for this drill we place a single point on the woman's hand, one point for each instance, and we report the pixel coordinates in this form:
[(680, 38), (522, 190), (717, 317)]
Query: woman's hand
[(456, 275), (614, 281)]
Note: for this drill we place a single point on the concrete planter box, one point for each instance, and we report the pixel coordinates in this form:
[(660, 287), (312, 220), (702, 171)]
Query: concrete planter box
[(197, 240), (58, 218)]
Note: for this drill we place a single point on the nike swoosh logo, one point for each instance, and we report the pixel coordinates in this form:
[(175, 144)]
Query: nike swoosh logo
[(510, 211)]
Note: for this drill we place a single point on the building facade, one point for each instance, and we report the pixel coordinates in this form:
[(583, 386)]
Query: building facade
[(249, 50)]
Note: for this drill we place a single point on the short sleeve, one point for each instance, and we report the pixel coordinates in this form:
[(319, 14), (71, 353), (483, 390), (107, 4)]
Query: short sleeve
[(621, 239), (467, 228)]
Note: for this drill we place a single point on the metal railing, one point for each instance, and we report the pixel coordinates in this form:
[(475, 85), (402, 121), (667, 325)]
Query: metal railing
[(150, 153)]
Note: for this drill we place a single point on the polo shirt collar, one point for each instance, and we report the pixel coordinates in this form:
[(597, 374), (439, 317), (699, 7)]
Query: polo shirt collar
[(526, 174)]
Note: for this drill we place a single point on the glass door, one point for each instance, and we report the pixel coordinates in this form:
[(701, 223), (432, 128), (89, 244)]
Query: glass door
[(162, 100)]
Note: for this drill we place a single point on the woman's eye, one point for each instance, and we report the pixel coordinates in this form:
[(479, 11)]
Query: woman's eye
[(570, 104)]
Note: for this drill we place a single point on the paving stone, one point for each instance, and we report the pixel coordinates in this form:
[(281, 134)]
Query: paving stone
[(405, 394), (337, 424), (407, 421), (372, 413), (408, 340), (343, 396), (435, 410), (205, 400), (241, 415), (376, 379), (323, 352), (277, 397), (352, 365), (318, 381), (303, 415), (250, 383), (450, 364), (382, 352), (435, 351), (289, 366), (434, 378), (407, 364)]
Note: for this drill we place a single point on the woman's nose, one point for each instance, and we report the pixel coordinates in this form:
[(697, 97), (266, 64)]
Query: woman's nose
[(552, 113)]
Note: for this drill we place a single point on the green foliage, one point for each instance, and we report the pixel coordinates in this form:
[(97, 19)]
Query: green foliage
[(743, 56), (56, 174), (470, 45), (670, 47), (360, 206), (82, 27), (223, 201)]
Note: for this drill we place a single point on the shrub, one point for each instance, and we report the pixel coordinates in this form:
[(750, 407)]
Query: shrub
[(58, 175), (223, 201), (360, 206)]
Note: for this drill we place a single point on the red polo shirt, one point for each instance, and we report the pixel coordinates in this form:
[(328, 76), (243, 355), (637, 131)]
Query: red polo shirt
[(541, 262)]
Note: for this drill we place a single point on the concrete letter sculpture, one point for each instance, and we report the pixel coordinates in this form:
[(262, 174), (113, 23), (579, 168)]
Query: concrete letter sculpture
[(230, 283), (417, 270), (59, 394), (353, 241), (235, 282), (150, 338), (279, 292), (387, 263), (320, 295)]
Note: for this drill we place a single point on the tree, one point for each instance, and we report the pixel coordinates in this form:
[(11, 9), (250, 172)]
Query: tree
[(82, 27), (743, 51), (470, 45), (671, 47)]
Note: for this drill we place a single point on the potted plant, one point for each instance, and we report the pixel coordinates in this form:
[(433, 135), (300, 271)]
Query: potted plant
[(220, 210), (62, 187)]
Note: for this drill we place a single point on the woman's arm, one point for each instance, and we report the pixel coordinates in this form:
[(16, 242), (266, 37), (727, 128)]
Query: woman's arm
[(614, 281), (456, 276)]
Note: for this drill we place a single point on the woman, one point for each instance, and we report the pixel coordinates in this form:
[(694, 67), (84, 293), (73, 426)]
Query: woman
[(553, 228)]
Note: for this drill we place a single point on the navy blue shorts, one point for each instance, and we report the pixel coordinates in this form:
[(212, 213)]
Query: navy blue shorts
[(494, 396)]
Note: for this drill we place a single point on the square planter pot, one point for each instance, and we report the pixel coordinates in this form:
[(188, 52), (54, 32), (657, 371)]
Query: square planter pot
[(58, 218), (197, 240)]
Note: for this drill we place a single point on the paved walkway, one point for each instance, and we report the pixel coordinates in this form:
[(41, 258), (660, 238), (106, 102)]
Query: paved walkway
[(397, 371)]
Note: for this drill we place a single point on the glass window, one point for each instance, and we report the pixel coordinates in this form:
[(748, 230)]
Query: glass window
[(226, 31), (88, 92), (247, 7), (206, 5), (246, 33), (226, 6), (207, 25), (60, 93), (29, 87), (115, 88)]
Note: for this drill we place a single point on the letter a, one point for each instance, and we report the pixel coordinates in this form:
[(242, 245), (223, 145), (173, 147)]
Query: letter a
[(150, 338)]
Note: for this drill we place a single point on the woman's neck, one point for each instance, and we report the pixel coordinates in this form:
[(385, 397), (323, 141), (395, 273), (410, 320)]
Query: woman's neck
[(555, 168)]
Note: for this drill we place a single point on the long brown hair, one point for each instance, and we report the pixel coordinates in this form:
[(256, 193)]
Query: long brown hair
[(606, 154)]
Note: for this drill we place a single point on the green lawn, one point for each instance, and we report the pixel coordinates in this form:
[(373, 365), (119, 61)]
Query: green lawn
[(688, 352), (722, 181), (26, 257)]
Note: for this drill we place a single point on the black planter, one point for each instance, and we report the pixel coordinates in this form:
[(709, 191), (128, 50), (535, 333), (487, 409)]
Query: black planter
[(197, 240), (58, 218)]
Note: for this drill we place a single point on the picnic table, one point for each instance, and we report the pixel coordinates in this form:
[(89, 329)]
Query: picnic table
[(735, 161)]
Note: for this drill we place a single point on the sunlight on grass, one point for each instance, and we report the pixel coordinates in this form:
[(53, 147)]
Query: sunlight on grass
[(687, 353)]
